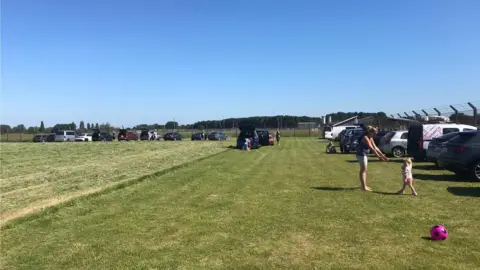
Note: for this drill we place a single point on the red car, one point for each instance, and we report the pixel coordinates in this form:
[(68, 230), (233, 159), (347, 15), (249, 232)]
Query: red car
[(126, 135)]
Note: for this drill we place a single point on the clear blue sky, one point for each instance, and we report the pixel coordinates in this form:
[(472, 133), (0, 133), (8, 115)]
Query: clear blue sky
[(130, 62)]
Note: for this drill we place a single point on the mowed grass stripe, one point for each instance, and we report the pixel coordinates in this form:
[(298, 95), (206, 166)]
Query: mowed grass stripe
[(257, 209), (44, 183)]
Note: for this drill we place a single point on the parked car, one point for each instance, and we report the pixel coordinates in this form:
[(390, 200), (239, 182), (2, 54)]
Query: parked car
[(265, 138), (420, 135), (435, 146), (332, 133), (65, 136), (85, 137), (394, 143), (101, 136), (250, 132), (172, 136), (127, 135), (461, 154), (197, 136), (349, 138), (341, 135), (44, 138), (144, 135), (217, 136), (379, 136)]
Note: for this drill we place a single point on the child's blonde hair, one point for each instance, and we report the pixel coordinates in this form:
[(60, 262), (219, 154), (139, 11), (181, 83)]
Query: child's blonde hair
[(407, 160), (371, 129)]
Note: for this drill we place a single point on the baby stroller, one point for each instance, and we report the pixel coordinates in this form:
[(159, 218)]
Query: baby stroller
[(330, 149)]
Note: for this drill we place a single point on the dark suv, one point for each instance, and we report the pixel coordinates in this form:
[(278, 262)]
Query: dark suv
[(265, 138), (145, 135), (172, 136), (248, 131), (101, 136), (217, 136), (461, 154), (44, 138), (349, 139)]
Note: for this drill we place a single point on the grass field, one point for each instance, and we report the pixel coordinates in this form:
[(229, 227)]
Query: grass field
[(38, 175), (284, 207)]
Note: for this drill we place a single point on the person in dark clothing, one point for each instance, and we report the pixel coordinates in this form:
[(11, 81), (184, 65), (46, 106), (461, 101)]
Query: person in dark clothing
[(277, 136)]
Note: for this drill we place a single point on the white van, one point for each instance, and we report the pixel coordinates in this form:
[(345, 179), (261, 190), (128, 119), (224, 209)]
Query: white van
[(420, 135), (331, 133), (65, 136)]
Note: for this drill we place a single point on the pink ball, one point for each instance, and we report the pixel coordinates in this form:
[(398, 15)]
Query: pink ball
[(438, 232)]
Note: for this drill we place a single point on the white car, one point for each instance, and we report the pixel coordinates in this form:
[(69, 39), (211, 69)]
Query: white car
[(394, 143), (331, 133), (85, 137)]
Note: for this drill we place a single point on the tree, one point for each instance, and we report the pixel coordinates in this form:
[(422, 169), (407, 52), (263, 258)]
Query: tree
[(73, 126), (171, 125), (42, 127), (19, 128), (97, 126), (5, 129), (88, 126), (82, 126)]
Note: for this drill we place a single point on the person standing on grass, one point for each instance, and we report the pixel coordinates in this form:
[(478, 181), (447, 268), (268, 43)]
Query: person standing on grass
[(364, 146), (277, 136)]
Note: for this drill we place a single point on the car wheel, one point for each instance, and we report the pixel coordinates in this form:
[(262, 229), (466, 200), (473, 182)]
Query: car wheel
[(475, 171), (398, 152)]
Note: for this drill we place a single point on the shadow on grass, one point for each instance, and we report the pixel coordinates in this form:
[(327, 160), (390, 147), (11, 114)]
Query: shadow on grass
[(335, 188), (428, 238), (231, 147), (374, 159), (426, 167), (386, 193), (465, 191), (438, 177)]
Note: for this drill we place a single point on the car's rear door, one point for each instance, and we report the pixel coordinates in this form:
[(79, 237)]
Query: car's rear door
[(414, 138)]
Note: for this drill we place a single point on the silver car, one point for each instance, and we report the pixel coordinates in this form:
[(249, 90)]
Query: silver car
[(394, 143), (65, 136)]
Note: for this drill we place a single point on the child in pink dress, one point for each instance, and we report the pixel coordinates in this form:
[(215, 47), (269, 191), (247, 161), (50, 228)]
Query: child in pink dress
[(407, 176)]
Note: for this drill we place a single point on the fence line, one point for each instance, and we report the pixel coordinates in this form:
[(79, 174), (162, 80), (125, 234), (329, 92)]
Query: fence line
[(464, 113)]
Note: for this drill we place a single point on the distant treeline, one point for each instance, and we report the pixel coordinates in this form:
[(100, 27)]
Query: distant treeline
[(279, 121)]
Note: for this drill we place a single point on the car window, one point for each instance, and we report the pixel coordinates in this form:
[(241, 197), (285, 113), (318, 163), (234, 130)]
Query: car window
[(247, 133), (468, 129), (404, 136), (465, 137), (70, 133), (328, 129), (60, 133), (359, 131), (389, 135), (450, 130), (446, 137)]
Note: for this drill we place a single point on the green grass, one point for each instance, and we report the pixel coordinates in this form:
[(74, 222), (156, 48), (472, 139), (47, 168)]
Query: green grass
[(285, 207), (38, 175)]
